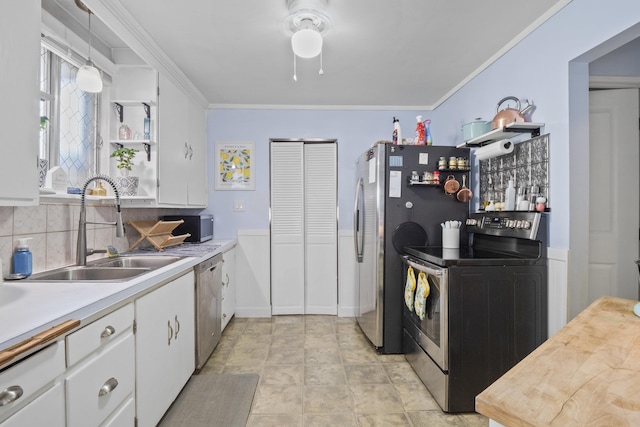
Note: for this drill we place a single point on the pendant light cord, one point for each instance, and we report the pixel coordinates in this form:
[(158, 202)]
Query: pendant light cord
[(89, 36)]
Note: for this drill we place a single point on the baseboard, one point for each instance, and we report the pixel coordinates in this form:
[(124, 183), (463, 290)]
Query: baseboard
[(253, 312)]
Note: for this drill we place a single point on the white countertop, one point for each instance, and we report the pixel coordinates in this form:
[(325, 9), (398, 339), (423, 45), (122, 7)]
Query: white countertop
[(30, 307)]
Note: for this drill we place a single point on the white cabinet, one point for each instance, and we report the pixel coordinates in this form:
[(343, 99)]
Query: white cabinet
[(197, 181), (228, 286), (46, 410), (165, 347), (182, 148), (19, 117), (27, 382), (100, 378)]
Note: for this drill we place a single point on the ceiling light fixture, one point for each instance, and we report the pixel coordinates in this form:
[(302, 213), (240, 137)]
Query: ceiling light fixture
[(88, 76), (306, 24)]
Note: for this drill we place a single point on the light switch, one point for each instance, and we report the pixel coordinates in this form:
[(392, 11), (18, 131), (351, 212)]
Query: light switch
[(238, 205)]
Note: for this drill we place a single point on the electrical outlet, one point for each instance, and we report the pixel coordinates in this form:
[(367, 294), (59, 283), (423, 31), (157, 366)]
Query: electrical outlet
[(238, 205)]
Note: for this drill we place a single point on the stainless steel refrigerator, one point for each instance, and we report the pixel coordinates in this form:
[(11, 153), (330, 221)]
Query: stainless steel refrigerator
[(391, 212)]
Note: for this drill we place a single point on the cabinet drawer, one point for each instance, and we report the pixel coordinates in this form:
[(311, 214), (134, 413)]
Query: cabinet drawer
[(104, 330), (31, 375), (45, 410), (99, 385), (123, 417)]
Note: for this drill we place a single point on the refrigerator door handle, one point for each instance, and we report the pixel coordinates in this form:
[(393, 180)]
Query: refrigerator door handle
[(358, 233)]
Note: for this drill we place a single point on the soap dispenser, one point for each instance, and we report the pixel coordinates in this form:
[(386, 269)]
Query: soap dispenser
[(23, 259)]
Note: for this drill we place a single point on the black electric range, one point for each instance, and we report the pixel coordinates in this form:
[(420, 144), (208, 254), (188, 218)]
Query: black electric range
[(499, 238)]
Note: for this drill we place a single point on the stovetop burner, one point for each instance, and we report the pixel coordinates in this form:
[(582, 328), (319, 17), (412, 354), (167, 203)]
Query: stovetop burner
[(466, 256), (500, 238)]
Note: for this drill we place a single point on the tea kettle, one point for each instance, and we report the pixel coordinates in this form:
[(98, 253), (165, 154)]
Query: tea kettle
[(509, 115)]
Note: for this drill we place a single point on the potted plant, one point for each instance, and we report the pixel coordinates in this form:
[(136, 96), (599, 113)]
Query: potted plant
[(127, 185)]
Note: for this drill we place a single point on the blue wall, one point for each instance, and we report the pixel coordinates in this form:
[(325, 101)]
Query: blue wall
[(537, 69), (354, 130)]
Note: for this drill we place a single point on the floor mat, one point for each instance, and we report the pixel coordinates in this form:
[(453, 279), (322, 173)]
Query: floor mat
[(213, 400)]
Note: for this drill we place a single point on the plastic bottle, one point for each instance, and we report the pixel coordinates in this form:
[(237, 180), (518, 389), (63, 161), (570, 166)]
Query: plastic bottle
[(397, 133), (510, 197), (419, 131), (23, 259), (427, 132)]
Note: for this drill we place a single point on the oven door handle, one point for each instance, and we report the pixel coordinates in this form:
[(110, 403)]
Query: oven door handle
[(422, 267)]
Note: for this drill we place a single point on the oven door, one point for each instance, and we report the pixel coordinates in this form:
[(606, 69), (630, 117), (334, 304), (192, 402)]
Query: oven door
[(431, 333)]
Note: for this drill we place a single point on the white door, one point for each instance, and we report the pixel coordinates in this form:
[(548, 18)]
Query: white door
[(287, 228), (304, 266), (613, 193)]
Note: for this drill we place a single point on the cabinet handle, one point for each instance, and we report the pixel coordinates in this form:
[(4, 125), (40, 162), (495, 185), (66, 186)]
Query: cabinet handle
[(186, 150), (108, 387), (10, 394), (170, 332), (108, 331), (227, 284), (190, 152), (177, 327), (224, 315)]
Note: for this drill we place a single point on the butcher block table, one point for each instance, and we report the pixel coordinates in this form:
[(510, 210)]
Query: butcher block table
[(588, 373)]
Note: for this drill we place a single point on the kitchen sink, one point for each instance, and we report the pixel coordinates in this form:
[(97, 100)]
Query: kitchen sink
[(88, 274), (118, 269), (152, 261)]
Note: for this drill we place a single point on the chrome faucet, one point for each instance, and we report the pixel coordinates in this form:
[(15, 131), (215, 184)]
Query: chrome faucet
[(82, 251)]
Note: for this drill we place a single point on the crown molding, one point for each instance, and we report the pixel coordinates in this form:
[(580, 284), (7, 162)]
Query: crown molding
[(115, 16)]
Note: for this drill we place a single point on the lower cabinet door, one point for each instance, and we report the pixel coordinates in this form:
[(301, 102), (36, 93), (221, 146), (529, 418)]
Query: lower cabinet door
[(46, 410), (165, 347), (101, 384)]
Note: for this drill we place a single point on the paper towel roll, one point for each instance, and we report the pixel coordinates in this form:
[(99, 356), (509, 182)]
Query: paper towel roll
[(494, 149)]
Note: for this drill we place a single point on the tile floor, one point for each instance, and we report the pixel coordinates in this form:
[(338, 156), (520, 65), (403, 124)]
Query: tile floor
[(321, 371)]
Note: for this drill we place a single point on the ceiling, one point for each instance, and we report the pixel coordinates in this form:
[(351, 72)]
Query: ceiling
[(379, 54)]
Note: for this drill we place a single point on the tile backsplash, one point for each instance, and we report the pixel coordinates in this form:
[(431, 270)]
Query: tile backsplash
[(527, 165), (53, 229)]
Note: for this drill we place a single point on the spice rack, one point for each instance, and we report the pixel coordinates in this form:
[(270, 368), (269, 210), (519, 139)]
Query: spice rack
[(158, 233)]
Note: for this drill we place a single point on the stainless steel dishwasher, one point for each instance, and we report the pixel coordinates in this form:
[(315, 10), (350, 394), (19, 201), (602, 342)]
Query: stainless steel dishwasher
[(208, 307)]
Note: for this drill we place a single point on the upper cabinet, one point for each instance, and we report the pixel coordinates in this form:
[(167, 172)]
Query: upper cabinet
[(182, 147), (20, 93)]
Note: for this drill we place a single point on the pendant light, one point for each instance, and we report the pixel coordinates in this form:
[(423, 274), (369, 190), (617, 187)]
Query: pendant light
[(88, 77)]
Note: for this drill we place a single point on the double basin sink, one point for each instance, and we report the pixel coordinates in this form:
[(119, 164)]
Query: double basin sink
[(118, 269)]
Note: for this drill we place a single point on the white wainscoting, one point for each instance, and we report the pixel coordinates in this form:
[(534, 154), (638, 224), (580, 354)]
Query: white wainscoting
[(558, 280), (347, 275), (253, 292)]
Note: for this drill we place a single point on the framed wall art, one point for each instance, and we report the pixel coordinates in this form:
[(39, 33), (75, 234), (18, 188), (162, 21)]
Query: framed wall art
[(234, 166)]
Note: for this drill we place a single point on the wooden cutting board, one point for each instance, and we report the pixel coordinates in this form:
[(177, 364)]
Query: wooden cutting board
[(37, 340), (586, 374)]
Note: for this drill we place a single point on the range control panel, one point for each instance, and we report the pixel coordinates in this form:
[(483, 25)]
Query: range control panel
[(524, 225)]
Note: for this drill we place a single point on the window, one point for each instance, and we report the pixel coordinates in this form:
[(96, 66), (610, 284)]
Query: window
[(69, 119)]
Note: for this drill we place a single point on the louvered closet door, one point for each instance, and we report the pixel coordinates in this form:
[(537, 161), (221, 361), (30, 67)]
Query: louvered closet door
[(321, 293), (287, 228), (304, 267)]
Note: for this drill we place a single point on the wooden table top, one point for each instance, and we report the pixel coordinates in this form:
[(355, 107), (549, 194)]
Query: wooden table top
[(588, 373)]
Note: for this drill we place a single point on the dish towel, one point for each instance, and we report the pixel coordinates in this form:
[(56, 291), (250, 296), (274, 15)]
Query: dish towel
[(422, 292), (410, 288)]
